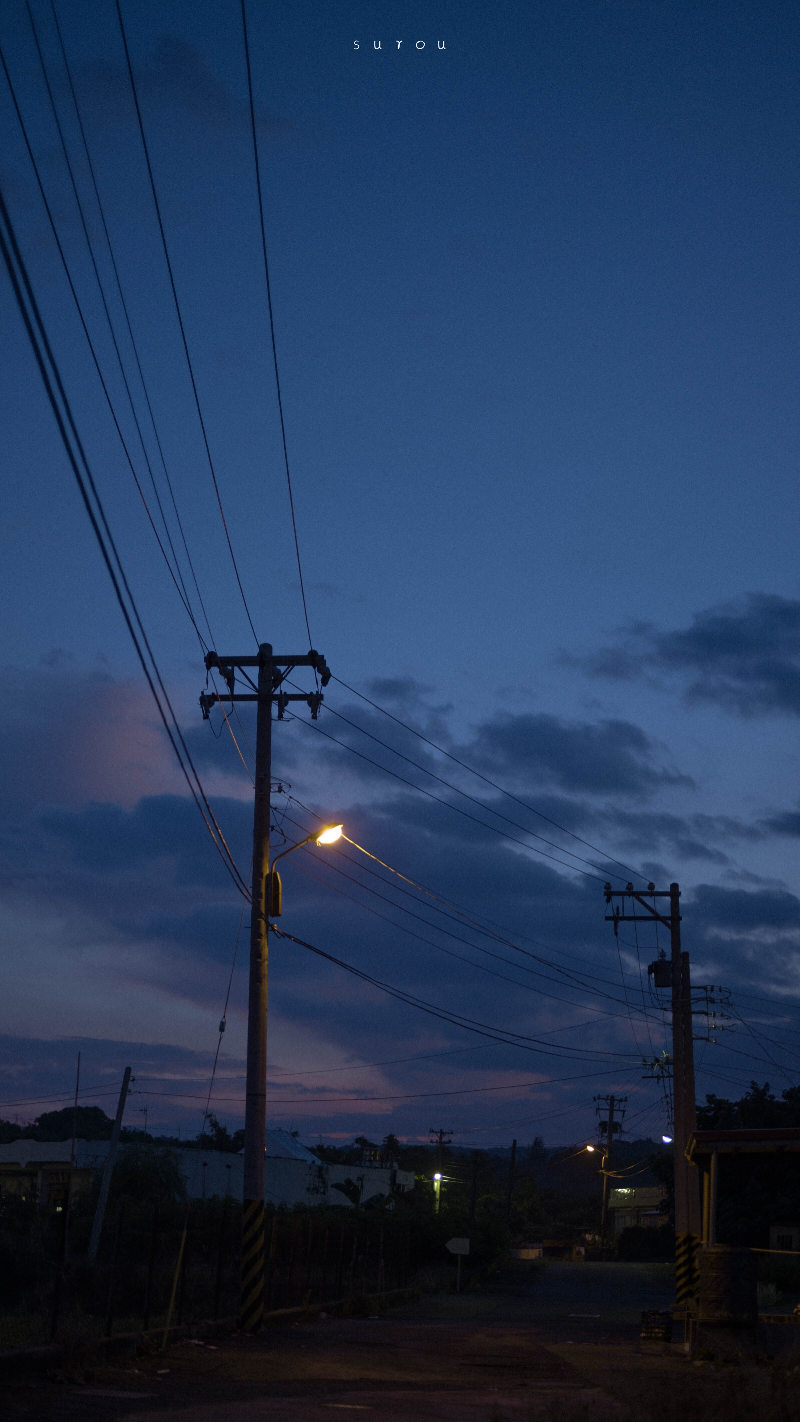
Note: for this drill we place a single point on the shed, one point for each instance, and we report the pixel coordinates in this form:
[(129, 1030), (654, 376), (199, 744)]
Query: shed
[(705, 1147)]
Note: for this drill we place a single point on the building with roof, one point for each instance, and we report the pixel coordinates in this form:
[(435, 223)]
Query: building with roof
[(294, 1176)]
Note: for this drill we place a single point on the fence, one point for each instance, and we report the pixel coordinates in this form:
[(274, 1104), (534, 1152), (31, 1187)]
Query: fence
[(312, 1257)]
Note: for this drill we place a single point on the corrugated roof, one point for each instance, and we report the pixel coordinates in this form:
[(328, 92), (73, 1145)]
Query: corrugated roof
[(282, 1145)]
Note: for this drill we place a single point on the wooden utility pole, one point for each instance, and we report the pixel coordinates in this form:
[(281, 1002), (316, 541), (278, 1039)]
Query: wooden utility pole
[(611, 1102), (511, 1168), (108, 1171), (687, 1189), (271, 672)]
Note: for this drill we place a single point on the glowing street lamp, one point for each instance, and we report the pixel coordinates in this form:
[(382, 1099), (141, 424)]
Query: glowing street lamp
[(328, 835), (437, 1192)]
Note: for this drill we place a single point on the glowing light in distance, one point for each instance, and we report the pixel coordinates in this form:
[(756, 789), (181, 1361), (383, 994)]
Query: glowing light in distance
[(331, 834), (590, 1149), (667, 1140), (437, 1177)]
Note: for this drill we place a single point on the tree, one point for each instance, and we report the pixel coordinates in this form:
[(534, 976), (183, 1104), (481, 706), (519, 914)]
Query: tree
[(90, 1124), (758, 1109), (141, 1173), (218, 1137)]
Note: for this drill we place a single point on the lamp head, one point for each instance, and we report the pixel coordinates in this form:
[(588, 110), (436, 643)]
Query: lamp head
[(667, 1140), (590, 1149), (330, 834), (437, 1176)]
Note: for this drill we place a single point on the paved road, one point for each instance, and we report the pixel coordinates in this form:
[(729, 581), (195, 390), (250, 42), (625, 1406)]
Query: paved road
[(514, 1351)]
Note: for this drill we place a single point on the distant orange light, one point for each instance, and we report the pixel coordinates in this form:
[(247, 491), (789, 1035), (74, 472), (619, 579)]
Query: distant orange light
[(590, 1148)]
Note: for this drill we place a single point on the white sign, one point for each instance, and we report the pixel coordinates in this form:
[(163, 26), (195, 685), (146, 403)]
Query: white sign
[(458, 1246)]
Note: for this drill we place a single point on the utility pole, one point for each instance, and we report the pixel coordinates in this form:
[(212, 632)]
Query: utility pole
[(440, 1142), (511, 1167), (608, 1127), (687, 1189), (108, 1171), (271, 672)]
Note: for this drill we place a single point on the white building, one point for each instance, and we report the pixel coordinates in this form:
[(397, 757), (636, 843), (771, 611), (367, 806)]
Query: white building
[(637, 1205), (293, 1175)]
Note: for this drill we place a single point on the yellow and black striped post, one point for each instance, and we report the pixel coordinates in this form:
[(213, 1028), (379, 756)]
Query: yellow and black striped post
[(686, 1247), (252, 1294)]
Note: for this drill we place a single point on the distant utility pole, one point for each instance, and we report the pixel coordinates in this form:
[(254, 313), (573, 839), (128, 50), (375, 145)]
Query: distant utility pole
[(607, 1128), (108, 1170), (687, 1189), (511, 1167), (440, 1142), (271, 672)]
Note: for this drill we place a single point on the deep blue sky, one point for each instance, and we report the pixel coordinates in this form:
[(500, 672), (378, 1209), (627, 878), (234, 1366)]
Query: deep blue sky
[(536, 307)]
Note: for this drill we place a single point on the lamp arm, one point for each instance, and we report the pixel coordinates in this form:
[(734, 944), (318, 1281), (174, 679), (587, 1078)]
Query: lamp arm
[(291, 850)]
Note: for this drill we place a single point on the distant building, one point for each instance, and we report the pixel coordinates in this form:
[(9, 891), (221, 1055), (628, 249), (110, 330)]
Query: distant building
[(785, 1237), (39, 1169), (636, 1206)]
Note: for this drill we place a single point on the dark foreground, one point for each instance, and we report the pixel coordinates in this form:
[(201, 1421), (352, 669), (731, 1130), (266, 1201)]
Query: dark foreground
[(560, 1345)]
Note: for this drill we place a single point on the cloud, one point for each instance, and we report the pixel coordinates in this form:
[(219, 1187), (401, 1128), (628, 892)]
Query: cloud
[(743, 656), (606, 757), (119, 921)]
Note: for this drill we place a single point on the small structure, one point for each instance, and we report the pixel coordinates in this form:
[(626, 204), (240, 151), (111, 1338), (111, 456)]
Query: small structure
[(785, 1238), (704, 1149), (727, 1275), (637, 1206)]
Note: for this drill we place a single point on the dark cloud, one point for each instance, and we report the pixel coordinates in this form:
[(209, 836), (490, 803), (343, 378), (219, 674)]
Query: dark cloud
[(142, 881), (742, 656), (786, 823), (742, 912), (606, 757)]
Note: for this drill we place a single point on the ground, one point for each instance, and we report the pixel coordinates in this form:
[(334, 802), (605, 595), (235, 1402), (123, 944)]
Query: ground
[(560, 1345)]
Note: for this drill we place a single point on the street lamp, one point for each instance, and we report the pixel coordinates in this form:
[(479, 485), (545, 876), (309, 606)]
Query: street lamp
[(328, 835), (437, 1191)]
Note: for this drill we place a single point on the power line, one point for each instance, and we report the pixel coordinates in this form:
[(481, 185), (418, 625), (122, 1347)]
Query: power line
[(487, 781), (129, 327), (472, 798), (62, 411), (174, 290), (257, 165), (574, 979), (455, 1019), (447, 803), (450, 953), (175, 573)]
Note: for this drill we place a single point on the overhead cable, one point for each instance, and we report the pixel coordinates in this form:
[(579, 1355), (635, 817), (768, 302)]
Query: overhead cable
[(257, 164), (62, 411), (637, 873), (178, 313)]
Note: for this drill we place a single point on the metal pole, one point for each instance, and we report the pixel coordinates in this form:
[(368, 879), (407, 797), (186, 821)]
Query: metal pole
[(606, 1164), (109, 1168), (712, 1198), (473, 1194), (687, 1196), (512, 1163), (252, 1286)]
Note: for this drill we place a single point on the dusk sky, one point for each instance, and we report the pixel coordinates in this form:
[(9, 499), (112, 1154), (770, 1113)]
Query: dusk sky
[(536, 310)]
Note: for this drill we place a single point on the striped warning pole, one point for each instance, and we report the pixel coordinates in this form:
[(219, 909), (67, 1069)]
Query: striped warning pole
[(251, 1310), (686, 1247)]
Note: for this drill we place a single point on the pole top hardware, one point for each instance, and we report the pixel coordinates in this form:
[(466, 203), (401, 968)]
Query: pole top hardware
[(281, 666)]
